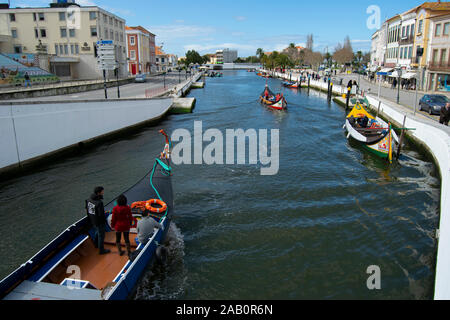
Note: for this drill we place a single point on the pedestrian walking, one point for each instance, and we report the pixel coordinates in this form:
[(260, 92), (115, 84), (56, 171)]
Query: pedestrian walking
[(445, 114), (27, 80)]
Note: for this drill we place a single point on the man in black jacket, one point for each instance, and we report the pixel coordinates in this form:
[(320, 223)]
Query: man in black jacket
[(96, 213)]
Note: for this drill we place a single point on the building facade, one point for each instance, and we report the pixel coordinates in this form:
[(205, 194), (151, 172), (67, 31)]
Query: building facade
[(68, 34), (226, 56), (162, 60), (415, 41), (438, 67), (141, 50)]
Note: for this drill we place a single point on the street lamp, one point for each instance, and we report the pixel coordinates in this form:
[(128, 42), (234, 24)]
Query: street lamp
[(399, 75)]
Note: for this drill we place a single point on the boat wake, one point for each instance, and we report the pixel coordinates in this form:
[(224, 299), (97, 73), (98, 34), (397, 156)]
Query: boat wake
[(166, 281)]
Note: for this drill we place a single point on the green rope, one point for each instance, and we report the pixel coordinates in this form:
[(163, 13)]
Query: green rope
[(166, 170)]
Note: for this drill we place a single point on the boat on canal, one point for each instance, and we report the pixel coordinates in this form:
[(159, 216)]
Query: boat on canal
[(70, 267), (374, 134), (290, 84), (277, 102)]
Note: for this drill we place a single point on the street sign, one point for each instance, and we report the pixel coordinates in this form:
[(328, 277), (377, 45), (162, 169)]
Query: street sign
[(105, 42), (106, 52)]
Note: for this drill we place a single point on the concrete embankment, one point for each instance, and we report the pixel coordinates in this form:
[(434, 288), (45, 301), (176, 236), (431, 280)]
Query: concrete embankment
[(435, 139), (60, 89), (33, 133), (37, 132)]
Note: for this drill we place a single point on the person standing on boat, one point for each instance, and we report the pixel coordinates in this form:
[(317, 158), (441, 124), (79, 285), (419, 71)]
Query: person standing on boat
[(122, 219), (96, 213), (146, 228)]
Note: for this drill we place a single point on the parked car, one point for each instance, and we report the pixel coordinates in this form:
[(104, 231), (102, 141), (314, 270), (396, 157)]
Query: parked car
[(141, 78), (432, 103)]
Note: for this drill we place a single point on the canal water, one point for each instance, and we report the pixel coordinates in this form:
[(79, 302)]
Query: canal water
[(309, 232)]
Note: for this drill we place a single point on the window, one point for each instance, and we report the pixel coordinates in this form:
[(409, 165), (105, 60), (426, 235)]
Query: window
[(121, 37), (435, 55), (93, 31), (410, 52), (407, 31), (56, 49), (12, 17), (17, 49), (443, 55), (413, 27), (62, 16), (447, 29), (438, 30), (41, 16), (117, 36), (66, 49), (132, 55), (14, 33), (420, 28), (63, 32), (132, 41), (116, 22), (77, 49), (36, 33), (72, 33), (110, 20), (61, 49), (92, 15), (403, 32), (43, 33), (106, 33)]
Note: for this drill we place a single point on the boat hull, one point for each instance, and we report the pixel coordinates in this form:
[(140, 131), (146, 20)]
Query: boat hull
[(280, 105)]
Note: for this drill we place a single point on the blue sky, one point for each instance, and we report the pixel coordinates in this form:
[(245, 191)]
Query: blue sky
[(246, 25)]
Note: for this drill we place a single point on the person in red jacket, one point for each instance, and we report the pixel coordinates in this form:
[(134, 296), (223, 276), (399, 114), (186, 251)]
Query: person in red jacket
[(122, 219)]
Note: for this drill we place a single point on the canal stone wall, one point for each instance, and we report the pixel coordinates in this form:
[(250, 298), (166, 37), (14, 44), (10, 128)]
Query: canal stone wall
[(436, 138), (32, 131)]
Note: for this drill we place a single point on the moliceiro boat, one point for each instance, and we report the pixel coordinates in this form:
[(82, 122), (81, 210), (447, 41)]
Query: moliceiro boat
[(372, 133), (277, 102), (70, 268), (290, 84)]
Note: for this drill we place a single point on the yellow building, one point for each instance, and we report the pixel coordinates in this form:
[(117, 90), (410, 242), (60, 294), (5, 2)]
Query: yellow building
[(423, 35)]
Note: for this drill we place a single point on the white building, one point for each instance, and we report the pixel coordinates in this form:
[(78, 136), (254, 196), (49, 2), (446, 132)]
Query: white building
[(438, 55), (68, 34), (226, 56)]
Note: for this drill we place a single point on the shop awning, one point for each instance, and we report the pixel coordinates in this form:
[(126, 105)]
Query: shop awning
[(409, 75), (385, 71), (373, 68), (394, 74)]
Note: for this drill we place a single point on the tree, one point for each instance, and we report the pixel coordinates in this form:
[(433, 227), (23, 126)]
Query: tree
[(260, 53), (314, 59), (193, 57), (283, 61), (343, 54)]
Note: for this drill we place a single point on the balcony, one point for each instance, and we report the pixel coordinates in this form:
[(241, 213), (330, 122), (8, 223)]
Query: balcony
[(439, 66), (406, 40)]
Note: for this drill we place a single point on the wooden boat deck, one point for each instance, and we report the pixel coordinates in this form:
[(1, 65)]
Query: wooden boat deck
[(99, 270)]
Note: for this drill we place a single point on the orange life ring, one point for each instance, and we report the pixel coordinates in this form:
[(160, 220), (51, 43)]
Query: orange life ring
[(139, 205), (149, 203)]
